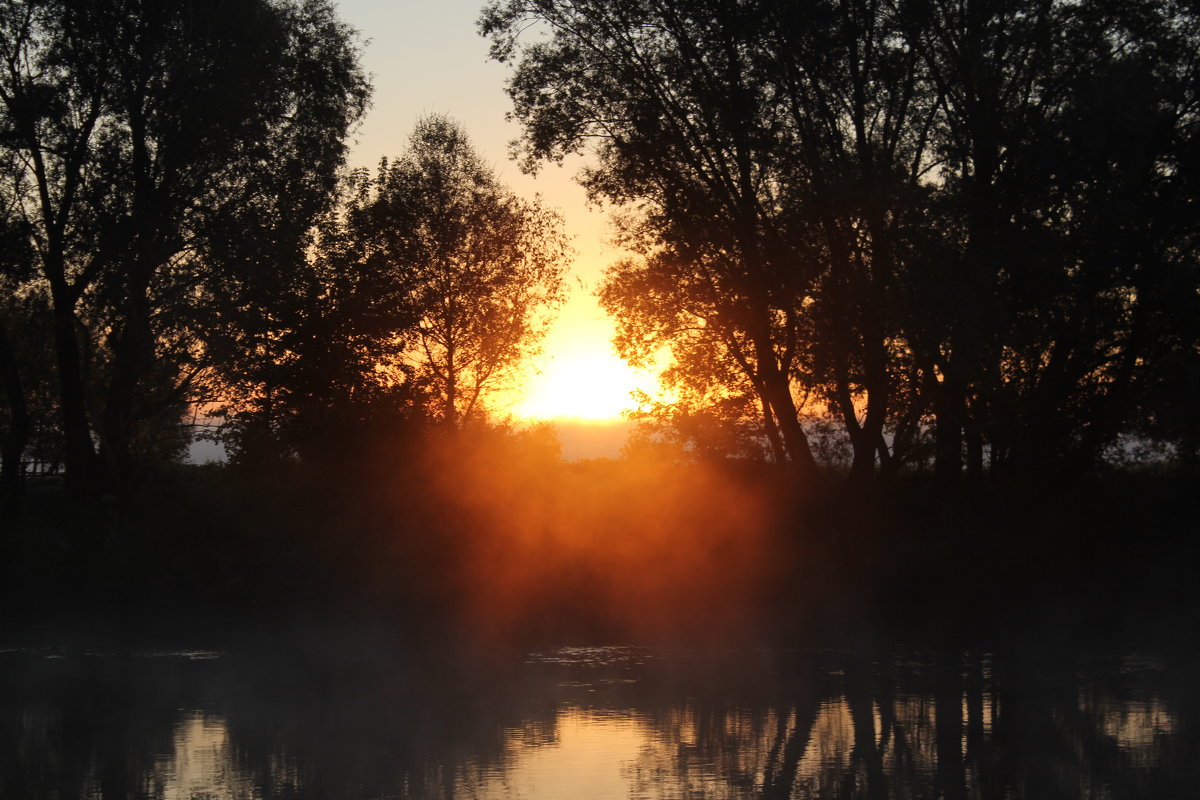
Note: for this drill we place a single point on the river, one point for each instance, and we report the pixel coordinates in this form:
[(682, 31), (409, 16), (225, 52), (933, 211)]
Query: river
[(598, 722)]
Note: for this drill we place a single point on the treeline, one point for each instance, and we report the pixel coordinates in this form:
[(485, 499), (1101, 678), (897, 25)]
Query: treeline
[(182, 244), (161, 165), (878, 233), (961, 231)]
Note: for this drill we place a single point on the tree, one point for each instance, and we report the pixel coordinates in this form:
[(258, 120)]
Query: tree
[(23, 358), (138, 138), (421, 292), (481, 266), (1064, 146), (919, 215), (310, 362), (860, 107), (679, 112), (772, 155)]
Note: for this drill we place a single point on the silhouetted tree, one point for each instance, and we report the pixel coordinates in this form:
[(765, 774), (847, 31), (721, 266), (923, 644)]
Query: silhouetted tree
[(684, 128), (481, 266), (860, 107), (19, 373), (310, 362), (137, 138), (424, 289), (1064, 146), (964, 220), (777, 158)]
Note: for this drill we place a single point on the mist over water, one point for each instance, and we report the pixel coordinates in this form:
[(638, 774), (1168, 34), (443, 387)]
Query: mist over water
[(402, 635), (597, 722), (913, 278)]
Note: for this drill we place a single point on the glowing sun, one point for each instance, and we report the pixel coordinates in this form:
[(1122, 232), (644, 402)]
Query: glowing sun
[(585, 382)]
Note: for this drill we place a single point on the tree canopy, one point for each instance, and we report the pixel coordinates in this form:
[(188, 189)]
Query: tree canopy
[(153, 156), (484, 266), (961, 222), (426, 289)]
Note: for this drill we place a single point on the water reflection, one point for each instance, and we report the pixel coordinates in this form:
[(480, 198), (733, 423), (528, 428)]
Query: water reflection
[(596, 723)]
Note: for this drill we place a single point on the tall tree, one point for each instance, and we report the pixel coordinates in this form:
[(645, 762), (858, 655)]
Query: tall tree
[(860, 107), (309, 360), (1064, 141), (420, 294), (774, 153), (964, 217), (683, 126), (135, 133), (483, 267), (21, 315)]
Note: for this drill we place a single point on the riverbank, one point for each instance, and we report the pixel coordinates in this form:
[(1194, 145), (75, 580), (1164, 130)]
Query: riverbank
[(541, 552)]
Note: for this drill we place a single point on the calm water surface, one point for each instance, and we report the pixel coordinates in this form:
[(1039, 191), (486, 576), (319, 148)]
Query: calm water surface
[(614, 722)]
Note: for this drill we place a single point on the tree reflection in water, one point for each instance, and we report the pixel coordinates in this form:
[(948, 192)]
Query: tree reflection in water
[(597, 722)]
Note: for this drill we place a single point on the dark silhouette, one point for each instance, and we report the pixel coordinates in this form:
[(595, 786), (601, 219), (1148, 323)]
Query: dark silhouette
[(427, 287), (482, 267), (138, 141), (967, 223)]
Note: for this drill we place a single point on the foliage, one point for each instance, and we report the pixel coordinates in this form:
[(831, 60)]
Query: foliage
[(424, 289), (27, 386), (134, 137), (971, 221), (315, 366), (482, 265)]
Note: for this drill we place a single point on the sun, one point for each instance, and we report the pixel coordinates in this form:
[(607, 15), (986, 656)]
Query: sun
[(584, 382), (579, 376)]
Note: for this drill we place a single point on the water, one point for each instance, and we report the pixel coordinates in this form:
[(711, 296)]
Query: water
[(614, 722)]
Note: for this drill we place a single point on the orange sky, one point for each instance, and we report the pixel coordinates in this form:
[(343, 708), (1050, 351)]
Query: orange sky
[(428, 58)]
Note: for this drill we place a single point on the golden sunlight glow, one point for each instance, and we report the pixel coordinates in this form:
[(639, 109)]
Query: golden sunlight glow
[(589, 754), (584, 384), (581, 377)]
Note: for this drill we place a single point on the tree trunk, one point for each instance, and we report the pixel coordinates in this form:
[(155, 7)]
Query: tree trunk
[(12, 446), (81, 481), (778, 393), (974, 453), (133, 351), (863, 465), (868, 288), (772, 430), (871, 435), (451, 388), (129, 366), (947, 410)]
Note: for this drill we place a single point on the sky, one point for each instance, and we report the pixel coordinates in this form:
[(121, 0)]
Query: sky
[(427, 58)]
